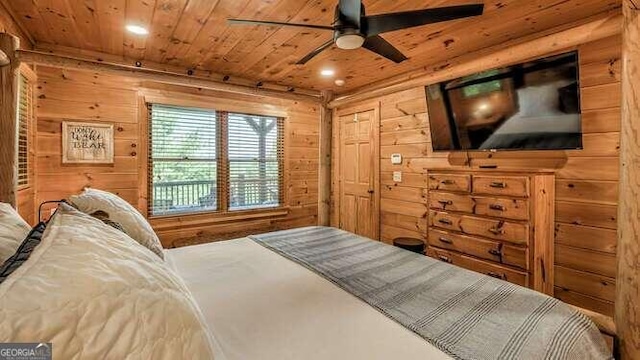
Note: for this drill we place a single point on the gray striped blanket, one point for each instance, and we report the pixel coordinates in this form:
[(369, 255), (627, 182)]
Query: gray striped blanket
[(465, 314)]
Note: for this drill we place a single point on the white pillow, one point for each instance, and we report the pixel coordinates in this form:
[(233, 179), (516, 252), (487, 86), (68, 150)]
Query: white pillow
[(95, 293), (13, 230), (121, 212)]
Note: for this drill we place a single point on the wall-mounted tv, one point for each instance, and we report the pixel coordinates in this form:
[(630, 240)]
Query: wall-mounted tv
[(530, 106)]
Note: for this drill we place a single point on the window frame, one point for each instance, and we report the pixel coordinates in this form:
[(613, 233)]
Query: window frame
[(222, 173)]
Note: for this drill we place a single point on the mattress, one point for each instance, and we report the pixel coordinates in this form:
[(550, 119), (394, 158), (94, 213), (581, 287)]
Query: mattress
[(259, 305)]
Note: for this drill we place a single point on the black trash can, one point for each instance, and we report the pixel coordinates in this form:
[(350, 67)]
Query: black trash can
[(411, 244)]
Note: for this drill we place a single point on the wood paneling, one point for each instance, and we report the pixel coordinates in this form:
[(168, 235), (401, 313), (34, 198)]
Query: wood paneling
[(65, 95), (589, 284), (194, 34), (94, 97), (8, 24), (586, 180)]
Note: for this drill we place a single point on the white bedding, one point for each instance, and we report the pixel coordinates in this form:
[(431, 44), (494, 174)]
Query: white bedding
[(259, 305), (95, 293)]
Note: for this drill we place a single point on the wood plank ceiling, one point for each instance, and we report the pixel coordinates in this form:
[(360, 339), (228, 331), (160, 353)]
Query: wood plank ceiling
[(193, 34)]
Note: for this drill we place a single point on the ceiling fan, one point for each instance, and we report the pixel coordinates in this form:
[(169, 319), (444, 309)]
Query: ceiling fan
[(352, 29)]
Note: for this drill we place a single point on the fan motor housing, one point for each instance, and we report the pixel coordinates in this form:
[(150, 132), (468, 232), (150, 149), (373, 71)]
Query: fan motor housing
[(348, 36)]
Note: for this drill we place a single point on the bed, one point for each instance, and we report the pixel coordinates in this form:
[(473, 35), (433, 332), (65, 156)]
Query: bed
[(259, 305), (92, 291), (289, 303)]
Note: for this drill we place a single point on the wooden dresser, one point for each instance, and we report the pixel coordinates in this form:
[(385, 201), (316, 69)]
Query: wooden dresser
[(495, 222)]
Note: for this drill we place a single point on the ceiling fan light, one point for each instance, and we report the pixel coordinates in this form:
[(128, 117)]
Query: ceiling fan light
[(349, 41)]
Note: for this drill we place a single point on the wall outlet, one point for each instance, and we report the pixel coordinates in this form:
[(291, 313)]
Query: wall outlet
[(397, 176), (396, 159)]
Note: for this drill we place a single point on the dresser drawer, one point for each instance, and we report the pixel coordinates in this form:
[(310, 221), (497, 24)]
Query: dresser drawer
[(516, 209), (481, 266), (515, 256), (481, 248), (486, 249), (450, 201), (450, 182), (501, 185), (495, 229)]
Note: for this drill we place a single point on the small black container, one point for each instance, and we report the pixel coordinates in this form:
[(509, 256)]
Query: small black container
[(411, 244)]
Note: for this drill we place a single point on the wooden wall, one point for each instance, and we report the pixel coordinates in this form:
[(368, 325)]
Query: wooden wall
[(10, 26), (93, 97), (586, 182), (88, 97)]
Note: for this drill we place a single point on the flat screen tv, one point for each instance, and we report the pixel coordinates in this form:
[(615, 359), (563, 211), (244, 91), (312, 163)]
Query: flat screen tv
[(530, 106)]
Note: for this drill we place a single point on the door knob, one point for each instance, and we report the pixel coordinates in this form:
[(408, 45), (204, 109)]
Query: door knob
[(370, 191)]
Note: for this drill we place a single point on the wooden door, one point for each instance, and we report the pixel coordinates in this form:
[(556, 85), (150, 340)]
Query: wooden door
[(359, 168)]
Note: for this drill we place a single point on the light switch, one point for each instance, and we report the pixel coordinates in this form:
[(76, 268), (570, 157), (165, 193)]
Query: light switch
[(397, 176), (396, 159)]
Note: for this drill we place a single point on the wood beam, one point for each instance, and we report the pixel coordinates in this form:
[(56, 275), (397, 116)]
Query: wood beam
[(512, 53), (8, 119), (85, 54), (324, 172), (627, 313), (158, 76)]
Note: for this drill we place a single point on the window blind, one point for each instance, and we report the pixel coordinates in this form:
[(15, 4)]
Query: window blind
[(183, 159), (254, 161), (25, 114), (204, 160)]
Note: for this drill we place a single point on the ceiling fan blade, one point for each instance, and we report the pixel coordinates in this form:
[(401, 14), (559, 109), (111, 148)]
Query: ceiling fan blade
[(380, 46), (350, 11), (378, 24), (276, 23), (315, 52)]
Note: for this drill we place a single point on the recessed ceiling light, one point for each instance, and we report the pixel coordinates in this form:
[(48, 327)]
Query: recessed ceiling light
[(339, 82), (138, 30), (327, 72)]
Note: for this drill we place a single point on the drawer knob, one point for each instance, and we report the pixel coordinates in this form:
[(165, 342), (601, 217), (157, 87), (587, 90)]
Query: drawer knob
[(445, 221), (497, 275), (445, 240), (496, 207), (496, 231), (495, 252), (444, 258), (498, 185), (447, 182), (445, 202)]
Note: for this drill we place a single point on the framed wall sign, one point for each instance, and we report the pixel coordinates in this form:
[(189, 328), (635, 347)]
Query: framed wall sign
[(87, 143)]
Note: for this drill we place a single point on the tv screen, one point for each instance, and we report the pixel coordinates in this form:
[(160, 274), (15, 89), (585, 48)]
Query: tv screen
[(535, 105)]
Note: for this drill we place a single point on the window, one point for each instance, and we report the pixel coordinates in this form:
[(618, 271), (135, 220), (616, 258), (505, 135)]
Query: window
[(206, 160), (482, 87), (25, 114), (184, 159), (254, 169)]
